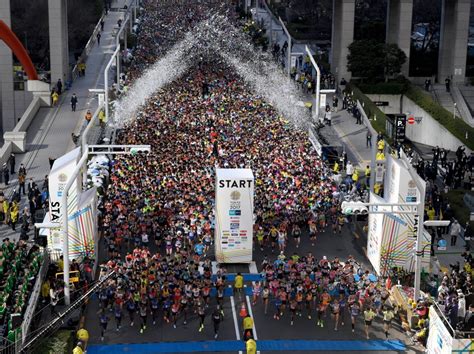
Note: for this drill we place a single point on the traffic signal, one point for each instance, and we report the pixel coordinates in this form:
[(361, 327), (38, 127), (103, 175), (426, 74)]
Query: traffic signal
[(354, 208), (139, 149)]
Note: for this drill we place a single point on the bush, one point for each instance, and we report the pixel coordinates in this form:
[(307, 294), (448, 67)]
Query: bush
[(370, 109), (61, 342), (457, 126)]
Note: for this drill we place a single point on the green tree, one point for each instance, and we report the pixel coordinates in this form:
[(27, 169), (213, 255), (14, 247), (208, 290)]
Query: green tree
[(394, 60), (366, 59), (372, 60)]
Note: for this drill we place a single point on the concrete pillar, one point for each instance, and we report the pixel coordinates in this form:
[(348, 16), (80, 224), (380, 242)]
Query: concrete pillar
[(58, 41), (399, 25), (453, 40), (7, 98), (342, 37)]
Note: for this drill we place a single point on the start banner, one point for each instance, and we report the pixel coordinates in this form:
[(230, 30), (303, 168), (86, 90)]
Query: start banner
[(234, 215)]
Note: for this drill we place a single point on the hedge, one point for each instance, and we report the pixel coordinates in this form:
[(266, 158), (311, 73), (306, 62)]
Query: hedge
[(457, 126), (371, 110)]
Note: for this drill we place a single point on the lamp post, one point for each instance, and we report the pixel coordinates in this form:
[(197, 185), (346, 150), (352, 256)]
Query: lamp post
[(106, 82), (318, 81), (289, 46)]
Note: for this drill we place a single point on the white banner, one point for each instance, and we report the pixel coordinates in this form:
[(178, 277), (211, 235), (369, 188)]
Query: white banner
[(58, 179), (392, 237), (234, 215), (293, 61), (374, 238), (439, 340), (322, 100)]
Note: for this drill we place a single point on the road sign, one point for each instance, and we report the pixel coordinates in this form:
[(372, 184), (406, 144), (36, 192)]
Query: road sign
[(400, 124), (411, 120), (381, 103)]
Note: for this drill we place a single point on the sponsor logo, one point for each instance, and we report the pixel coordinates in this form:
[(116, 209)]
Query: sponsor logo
[(62, 177), (235, 195), (235, 212), (234, 205)]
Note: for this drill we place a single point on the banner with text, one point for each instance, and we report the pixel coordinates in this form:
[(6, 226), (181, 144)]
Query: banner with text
[(57, 181), (234, 215)]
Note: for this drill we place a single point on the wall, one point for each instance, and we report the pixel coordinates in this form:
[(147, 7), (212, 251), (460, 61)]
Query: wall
[(428, 131), (22, 101)]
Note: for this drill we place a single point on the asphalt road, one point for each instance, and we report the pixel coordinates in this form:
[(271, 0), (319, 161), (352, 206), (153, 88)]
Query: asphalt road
[(328, 244)]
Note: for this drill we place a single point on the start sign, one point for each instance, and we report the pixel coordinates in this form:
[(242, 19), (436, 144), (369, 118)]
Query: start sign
[(411, 120)]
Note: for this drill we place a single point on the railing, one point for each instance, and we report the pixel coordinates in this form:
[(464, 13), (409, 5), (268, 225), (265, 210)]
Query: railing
[(32, 302), (87, 49), (50, 328)]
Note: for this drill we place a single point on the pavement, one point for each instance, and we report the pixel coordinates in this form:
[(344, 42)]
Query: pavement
[(49, 134)]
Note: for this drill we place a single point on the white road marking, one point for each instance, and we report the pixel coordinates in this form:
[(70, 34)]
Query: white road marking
[(236, 324), (249, 305)]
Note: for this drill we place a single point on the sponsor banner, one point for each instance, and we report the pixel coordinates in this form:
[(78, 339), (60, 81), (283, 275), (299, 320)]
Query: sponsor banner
[(234, 215), (57, 181), (374, 238), (439, 339), (392, 237)]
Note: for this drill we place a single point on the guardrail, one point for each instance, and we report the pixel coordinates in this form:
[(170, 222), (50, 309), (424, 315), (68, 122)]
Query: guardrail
[(33, 300), (87, 49)]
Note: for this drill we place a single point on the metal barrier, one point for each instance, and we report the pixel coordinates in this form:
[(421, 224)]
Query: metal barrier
[(87, 49), (33, 300), (56, 323)]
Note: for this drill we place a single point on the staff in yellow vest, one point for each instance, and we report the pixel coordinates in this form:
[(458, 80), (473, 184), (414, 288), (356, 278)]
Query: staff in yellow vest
[(381, 144), (377, 187), (102, 120), (355, 176), (78, 349), (380, 156), (55, 98), (248, 327), (336, 167), (251, 346), (367, 175)]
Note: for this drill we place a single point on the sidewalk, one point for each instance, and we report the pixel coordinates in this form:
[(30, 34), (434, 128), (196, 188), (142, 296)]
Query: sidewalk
[(49, 135)]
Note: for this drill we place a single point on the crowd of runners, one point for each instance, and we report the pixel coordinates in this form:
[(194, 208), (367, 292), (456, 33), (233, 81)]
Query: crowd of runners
[(158, 223)]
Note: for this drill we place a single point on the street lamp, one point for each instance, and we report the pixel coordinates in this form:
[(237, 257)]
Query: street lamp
[(289, 46), (318, 81)]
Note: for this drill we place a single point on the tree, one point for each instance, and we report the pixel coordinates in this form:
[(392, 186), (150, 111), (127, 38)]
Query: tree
[(366, 59), (394, 60), (373, 60)]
